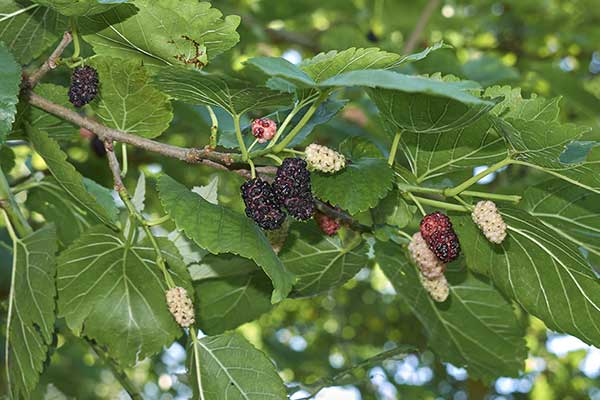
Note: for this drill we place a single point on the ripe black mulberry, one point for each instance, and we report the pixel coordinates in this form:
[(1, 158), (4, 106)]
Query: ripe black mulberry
[(84, 86), (293, 190), (261, 204)]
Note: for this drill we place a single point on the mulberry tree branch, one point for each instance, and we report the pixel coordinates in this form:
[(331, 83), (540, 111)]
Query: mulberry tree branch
[(51, 62)]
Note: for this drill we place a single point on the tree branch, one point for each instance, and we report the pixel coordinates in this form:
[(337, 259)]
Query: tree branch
[(50, 63), (416, 34)]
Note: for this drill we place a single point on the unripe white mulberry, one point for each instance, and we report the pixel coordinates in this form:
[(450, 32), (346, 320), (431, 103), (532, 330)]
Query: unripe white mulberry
[(181, 306), (489, 220), (324, 159), (437, 288), (430, 266)]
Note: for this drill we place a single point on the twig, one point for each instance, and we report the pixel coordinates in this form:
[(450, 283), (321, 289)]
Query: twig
[(415, 36), (190, 155), (50, 63), (117, 371), (113, 164)]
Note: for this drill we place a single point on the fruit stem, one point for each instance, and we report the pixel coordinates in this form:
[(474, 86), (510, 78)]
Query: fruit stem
[(417, 203), (252, 145), (252, 168), (274, 157), (214, 128), (125, 162), (469, 193), (451, 192), (76, 47), (240, 138), (309, 113), (292, 151), (438, 204), (394, 148), (286, 122), (158, 221), (464, 203)]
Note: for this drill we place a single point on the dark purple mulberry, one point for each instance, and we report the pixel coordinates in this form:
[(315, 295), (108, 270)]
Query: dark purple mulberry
[(261, 204), (292, 188), (84, 86), (438, 233), (301, 207)]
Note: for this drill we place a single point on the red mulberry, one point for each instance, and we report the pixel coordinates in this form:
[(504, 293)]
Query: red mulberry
[(84, 86), (261, 204), (437, 231), (328, 225), (264, 129)]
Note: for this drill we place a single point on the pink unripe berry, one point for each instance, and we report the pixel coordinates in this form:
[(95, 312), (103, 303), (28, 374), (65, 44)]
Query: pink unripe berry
[(264, 129)]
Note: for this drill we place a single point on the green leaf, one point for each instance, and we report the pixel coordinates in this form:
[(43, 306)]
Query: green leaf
[(328, 65), (282, 68), (10, 79), (234, 96), (571, 212), (393, 210), (382, 79), (30, 320), (112, 291), (165, 32), (489, 70), (221, 266), (226, 303), (28, 29), (359, 147), (68, 178), (540, 144), (357, 187), (209, 192), (56, 205), (438, 155), (128, 101), (429, 112), (322, 262), (230, 366), (221, 230), (539, 269), (77, 7), (7, 159), (475, 327)]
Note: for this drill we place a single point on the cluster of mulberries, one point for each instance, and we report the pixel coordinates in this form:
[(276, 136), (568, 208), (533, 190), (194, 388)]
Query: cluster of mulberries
[(292, 188), (180, 306), (324, 159), (489, 220), (440, 237), (263, 129), (84, 86), (328, 225), (261, 204)]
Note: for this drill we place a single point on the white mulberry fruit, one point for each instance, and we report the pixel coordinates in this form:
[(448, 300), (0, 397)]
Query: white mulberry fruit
[(437, 288), (430, 266), (180, 306), (489, 220), (324, 159)]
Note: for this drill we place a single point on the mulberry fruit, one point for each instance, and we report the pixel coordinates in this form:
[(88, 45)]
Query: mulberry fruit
[(440, 237), (437, 288), (261, 204), (301, 207), (293, 190), (84, 86), (324, 159), (180, 306), (264, 129), (489, 220), (328, 225), (429, 265)]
